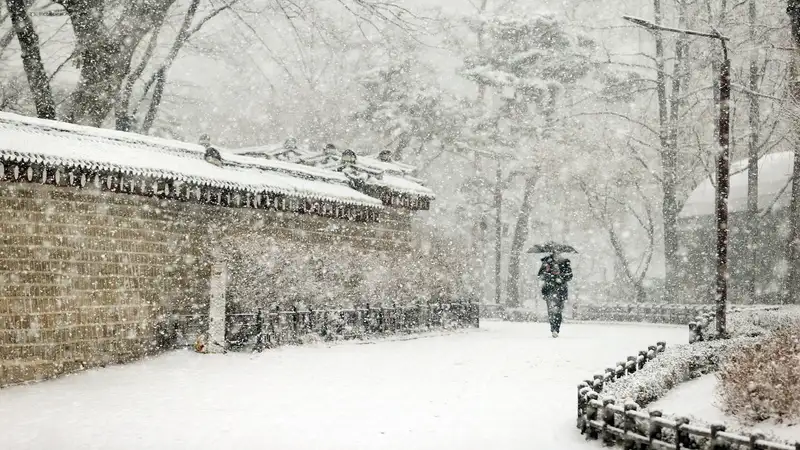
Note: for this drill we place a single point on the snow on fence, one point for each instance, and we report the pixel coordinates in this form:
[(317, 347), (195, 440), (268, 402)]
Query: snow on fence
[(626, 425), (276, 327)]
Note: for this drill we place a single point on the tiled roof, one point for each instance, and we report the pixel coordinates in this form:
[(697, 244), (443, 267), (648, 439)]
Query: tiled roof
[(394, 176), (30, 140)]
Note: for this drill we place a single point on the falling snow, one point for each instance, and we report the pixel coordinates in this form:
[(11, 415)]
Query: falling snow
[(183, 177)]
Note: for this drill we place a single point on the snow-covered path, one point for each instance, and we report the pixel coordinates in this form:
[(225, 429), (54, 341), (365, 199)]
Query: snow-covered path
[(505, 386)]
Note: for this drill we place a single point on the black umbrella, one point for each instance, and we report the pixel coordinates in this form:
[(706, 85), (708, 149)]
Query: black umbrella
[(552, 247)]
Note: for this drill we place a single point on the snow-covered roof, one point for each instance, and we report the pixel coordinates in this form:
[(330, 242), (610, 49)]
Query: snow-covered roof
[(394, 176), (30, 140), (774, 175)]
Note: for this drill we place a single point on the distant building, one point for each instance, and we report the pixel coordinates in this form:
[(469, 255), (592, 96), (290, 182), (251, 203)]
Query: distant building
[(698, 233)]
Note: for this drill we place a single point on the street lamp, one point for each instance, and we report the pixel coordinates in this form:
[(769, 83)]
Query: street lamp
[(723, 163)]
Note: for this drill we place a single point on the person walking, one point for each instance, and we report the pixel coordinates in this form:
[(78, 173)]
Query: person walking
[(555, 273)]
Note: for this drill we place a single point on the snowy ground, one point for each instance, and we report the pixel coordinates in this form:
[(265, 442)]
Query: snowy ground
[(698, 399), (506, 386)]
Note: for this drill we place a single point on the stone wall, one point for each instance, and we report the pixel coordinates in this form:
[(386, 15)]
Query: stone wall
[(89, 278)]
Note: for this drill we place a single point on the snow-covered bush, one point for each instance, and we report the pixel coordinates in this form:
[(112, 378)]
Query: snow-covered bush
[(676, 365), (762, 380), (761, 321)]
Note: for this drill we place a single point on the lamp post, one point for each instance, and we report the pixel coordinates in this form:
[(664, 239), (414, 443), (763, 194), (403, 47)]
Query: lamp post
[(723, 164)]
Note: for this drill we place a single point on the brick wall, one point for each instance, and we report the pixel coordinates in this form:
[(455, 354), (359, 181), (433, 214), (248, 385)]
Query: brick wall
[(88, 278)]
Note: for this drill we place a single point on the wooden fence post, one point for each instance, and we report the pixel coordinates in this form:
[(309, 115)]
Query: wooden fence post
[(620, 369), (608, 421), (716, 442), (682, 438), (753, 438), (597, 384), (295, 325), (260, 342), (610, 374), (591, 415), (629, 425), (652, 350), (631, 364), (366, 320), (655, 431), (274, 320), (583, 389)]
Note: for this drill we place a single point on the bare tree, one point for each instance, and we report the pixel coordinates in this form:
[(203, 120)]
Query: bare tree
[(104, 53), (793, 278), (606, 207), (32, 58)]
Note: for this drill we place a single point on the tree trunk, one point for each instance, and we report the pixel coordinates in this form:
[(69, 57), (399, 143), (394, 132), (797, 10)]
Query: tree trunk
[(481, 45), (518, 242), (124, 120), (105, 54), (793, 251), (637, 282), (498, 241), (158, 91), (32, 59), (669, 163), (750, 263)]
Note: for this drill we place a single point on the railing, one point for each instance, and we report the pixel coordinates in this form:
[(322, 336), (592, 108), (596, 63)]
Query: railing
[(636, 312), (642, 312), (627, 425), (277, 327)]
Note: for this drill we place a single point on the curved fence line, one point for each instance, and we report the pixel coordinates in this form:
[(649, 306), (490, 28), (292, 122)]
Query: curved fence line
[(626, 425)]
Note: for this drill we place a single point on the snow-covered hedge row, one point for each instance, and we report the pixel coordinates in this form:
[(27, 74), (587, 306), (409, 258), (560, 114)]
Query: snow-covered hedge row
[(620, 401), (685, 362), (676, 365), (744, 321)]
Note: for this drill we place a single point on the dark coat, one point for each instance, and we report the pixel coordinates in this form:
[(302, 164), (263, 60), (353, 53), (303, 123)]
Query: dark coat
[(555, 273)]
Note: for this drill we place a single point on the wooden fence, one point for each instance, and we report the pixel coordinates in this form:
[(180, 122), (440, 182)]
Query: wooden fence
[(628, 426), (276, 327)]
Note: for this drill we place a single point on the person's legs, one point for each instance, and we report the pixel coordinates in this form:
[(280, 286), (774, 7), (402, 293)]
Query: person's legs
[(560, 300), (553, 314), (558, 309), (548, 302)]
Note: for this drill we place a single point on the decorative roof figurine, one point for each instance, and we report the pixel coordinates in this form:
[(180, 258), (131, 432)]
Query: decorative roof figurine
[(212, 155), (385, 156), (349, 157)]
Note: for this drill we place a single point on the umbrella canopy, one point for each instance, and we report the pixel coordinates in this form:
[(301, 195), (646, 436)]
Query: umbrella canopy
[(552, 247)]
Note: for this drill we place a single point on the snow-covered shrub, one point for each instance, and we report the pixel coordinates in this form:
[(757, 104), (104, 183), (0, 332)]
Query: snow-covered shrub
[(762, 380), (748, 321), (676, 365), (761, 321)]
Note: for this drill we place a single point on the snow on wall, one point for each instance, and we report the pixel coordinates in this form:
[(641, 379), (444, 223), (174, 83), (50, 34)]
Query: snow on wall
[(23, 138), (89, 277)]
